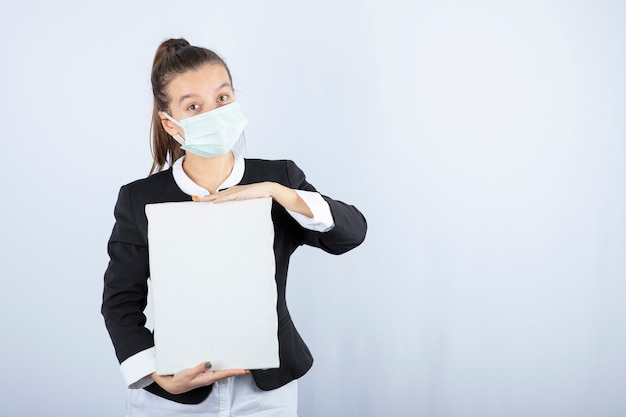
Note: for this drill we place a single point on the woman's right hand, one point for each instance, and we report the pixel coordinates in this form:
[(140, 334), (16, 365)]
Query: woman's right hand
[(190, 378)]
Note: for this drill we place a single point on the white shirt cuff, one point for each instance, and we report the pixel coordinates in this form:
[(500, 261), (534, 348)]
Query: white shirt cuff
[(322, 220), (137, 369)]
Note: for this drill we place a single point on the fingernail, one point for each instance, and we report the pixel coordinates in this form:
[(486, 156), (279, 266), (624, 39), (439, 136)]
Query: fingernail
[(245, 372), (194, 197), (208, 365)]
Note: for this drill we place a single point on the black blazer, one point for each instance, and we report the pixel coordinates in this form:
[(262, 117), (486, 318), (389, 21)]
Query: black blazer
[(125, 280)]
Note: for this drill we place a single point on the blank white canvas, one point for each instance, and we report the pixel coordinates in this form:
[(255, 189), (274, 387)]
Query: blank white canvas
[(213, 288)]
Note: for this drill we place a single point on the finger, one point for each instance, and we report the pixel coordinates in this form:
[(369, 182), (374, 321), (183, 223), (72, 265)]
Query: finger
[(201, 367), (226, 197), (208, 377), (227, 373), (198, 373), (229, 194), (204, 198)]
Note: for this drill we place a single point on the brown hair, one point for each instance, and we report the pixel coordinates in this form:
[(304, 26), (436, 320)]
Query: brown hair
[(173, 57)]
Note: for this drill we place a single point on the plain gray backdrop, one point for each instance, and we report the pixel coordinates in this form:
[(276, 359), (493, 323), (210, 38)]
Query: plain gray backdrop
[(484, 141)]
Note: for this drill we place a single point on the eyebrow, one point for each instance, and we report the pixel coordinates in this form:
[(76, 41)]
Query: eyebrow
[(186, 96), (222, 85)]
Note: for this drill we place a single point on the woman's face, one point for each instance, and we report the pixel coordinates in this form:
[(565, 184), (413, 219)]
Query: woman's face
[(195, 92)]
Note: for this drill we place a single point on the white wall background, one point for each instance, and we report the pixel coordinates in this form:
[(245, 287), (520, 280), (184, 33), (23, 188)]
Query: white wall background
[(485, 143)]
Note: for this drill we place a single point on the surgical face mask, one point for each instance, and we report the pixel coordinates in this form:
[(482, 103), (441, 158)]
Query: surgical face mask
[(212, 133)]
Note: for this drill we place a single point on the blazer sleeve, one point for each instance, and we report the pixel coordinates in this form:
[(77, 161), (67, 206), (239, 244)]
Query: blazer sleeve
[(350, 225), (125, 282)]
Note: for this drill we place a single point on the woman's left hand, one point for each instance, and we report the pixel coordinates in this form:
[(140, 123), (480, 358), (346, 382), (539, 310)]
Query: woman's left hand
[(284, 196), (240, 192)]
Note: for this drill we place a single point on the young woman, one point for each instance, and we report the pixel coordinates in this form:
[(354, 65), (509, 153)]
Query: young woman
[(196, 130)]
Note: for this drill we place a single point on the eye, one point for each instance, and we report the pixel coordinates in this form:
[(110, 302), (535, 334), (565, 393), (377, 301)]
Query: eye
[(223, 98), (193, 107)]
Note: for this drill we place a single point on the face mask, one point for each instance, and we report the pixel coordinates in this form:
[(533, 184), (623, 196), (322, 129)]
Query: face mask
[(212, 133)]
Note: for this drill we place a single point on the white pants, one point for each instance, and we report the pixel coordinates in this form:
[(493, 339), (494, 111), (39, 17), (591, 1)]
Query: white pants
[(232, 397)]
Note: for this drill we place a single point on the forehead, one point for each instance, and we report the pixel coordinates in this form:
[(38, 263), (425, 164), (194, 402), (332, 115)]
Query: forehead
[(204, 80)]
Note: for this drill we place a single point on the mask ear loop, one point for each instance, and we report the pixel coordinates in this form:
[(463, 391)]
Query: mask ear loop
[(177, 138)]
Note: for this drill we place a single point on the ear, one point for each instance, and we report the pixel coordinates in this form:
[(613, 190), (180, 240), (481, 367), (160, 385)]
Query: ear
[(170, 127)]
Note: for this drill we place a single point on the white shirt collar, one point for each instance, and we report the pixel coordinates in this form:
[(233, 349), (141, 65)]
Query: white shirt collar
[(189, 187)]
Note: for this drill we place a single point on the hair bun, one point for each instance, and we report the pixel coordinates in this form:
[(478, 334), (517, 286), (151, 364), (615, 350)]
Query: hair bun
[(177, 44), (167, 47)]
